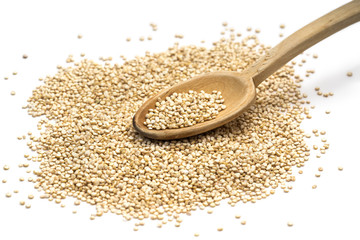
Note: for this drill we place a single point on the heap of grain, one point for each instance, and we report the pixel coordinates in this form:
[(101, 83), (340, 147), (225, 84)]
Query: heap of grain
[(90, 151), (184, 109)]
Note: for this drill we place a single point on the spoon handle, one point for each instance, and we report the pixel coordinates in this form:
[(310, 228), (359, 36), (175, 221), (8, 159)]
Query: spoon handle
[(303, 39)]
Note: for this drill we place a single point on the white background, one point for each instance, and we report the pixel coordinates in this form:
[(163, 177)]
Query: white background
[(47, 32)]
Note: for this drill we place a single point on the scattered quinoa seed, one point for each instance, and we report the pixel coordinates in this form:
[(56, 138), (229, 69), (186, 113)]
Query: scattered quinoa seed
[(220, 229), (340, 168), (349, 74), (282, 26), (12, 93), (25, 56), (243, 222), (6, 167), (290, 224)]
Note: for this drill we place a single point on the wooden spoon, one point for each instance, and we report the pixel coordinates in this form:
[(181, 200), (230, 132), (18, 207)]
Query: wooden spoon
[(238, 89)]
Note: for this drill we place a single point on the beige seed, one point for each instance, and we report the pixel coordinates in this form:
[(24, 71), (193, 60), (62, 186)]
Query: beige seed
[(340, 168), (196, 234), (6, 167), (28, 206), (14, 73), (22, 203), (243, 222), (79, 36), (74, 211), (12, 93), (220, 229), (4, 181), (314, 186), (237, 216), (31, 196), (282, 26), (8, 195), (290, 224), (25, 56), (349, 74)]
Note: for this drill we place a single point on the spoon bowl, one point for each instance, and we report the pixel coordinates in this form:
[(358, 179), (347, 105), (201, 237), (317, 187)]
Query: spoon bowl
[(238, 89)]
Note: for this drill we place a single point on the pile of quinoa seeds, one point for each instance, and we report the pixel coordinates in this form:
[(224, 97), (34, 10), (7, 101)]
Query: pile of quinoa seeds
[(89, 150), (184, 110)]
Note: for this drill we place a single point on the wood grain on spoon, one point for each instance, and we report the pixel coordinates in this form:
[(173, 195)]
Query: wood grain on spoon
[(238, 89)]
